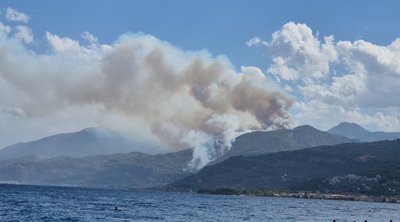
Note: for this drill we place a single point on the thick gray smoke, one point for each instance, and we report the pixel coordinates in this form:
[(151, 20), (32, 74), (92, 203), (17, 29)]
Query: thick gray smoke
[(181, 98)]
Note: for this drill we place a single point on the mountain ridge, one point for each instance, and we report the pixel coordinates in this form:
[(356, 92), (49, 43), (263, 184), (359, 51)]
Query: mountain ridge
[(140, 170), (128, 170), (263, 142), (86, 142), (355, 131), (365, 168)]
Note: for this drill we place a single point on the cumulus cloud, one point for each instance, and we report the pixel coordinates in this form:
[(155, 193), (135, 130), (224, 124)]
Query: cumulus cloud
[(24, 33), (60, 44), (297, 54), (5, 28), (90, 38), (14, 15), (341, 81), (179, 98), (255, 41), (324, 116), (66, 47)]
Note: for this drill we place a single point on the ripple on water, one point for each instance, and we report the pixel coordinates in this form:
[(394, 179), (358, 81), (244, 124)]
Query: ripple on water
[(35, 203)]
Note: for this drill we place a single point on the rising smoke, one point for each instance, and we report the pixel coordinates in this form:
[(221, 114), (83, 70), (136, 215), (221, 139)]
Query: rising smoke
[(183, 98)]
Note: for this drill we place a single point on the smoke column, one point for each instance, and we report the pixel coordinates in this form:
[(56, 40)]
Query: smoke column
[(182, 98)]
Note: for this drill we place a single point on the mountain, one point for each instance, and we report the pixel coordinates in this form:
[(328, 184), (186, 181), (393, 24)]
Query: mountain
[(368, 168), (87, 142), (355, 131), (97, 141), (263, 142), (131, 170), (64, 159)]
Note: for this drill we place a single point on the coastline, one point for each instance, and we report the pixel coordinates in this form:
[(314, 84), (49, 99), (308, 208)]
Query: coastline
[(303, 195), (258, 193)]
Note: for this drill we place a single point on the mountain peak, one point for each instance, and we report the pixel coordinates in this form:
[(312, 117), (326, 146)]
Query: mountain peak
[(355, 131), (304, 127), (86, 142), (262, 142), (352, 130), (350, 125)]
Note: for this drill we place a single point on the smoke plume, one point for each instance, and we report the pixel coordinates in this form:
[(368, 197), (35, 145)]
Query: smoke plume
[(181, 98)]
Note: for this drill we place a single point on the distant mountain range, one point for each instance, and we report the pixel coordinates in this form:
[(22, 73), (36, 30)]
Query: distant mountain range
[(62, 159), (132, 170), (96, 157), (87, 142), (355, 131), (366, 168)]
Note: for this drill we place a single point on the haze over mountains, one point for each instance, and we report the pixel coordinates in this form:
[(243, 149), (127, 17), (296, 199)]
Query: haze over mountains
[(136, 170), (366, 168), (97, 157), (131, 170), (260, 142), (355, 131), (87, 142)]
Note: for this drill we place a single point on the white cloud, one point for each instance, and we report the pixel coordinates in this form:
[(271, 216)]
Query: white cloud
[(297, 54), (5, 28), (24, 33), (255, 41), (325, 115), (380, 68), (59, 44), (14, 15), (90, 38), (338, 81), (73, 48), (288, 88)]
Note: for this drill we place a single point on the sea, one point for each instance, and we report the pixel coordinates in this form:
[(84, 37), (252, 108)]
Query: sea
[(45, 203)]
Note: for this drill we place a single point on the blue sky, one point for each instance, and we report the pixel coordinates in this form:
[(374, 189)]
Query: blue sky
[(222, 27), (336, 60)]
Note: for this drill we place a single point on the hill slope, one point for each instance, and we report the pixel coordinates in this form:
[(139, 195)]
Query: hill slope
[(355, 131), (260, 142), (371, 168), (87, 142), (133, 170)]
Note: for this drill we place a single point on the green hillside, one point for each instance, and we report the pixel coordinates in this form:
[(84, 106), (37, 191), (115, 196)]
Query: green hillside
[(367, 168)]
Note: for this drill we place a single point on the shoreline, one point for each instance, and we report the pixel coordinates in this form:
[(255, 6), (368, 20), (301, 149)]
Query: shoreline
[(256, 193), (304, 195)]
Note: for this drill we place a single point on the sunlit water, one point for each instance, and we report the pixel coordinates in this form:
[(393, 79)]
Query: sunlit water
[(35, 203)]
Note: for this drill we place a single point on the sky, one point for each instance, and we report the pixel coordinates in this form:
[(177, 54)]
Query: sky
[(314, 62)]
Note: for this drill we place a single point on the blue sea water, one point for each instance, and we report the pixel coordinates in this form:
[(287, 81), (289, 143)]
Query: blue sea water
[(42, 203)]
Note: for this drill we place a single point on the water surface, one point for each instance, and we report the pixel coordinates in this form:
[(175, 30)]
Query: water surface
[(40, 203)]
